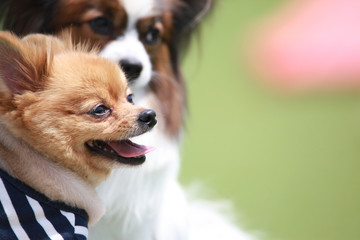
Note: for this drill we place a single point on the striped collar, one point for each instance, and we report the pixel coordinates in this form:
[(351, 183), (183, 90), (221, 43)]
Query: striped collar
[(28, 214)]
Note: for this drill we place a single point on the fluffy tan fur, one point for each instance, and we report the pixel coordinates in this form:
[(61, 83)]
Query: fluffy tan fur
[(47, 88)]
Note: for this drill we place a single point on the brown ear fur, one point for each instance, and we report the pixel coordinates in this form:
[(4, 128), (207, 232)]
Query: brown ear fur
[(186, 18), (22, 66)]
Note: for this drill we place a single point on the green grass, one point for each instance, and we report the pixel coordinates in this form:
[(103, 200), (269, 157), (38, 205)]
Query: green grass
[(290, 164)]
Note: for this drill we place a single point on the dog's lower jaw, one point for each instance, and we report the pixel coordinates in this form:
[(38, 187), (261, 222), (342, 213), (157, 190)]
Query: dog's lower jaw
[(134, 197), (21, 161)]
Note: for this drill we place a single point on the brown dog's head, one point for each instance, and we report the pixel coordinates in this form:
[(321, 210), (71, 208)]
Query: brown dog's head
[(145, 37), (70, 105)]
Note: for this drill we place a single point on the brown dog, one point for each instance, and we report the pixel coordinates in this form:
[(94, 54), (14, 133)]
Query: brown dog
[(66, 116)]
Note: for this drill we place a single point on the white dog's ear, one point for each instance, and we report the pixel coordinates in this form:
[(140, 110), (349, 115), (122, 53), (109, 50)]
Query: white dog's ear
[(199, 9), (191, 12), (187, 16), (22, 65)]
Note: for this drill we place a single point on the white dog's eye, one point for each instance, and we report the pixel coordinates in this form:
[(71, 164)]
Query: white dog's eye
[(101, 26), (100, 111), (130, 98), (152, 36)]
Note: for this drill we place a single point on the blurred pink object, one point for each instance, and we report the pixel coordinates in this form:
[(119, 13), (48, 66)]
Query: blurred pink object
[(311, 44)]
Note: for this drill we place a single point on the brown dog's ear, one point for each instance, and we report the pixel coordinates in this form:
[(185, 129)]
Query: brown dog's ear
[(22, 65)]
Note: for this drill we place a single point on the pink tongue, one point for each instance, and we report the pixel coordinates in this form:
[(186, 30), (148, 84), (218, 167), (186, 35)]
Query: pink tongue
[(128, 149)]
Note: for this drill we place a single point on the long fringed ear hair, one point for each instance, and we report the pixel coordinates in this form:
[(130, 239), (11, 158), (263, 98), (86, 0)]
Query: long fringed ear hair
[(27, 16), (187, 18)]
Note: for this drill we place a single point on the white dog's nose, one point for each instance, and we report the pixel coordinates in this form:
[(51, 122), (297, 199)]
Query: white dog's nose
[(132, 68)]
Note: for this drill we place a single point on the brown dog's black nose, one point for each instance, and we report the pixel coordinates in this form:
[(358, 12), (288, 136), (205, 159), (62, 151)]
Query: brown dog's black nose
[(148, 117), (132, 68)]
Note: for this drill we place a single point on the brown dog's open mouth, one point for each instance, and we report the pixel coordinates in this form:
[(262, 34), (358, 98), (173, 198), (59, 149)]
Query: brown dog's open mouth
[(124, 151)]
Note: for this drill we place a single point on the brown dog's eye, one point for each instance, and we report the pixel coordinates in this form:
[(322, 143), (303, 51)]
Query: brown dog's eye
[(100, 111), (130, 98)]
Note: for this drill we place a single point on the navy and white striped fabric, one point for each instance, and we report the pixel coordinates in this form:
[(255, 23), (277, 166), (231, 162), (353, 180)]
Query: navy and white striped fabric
[(27, 214)]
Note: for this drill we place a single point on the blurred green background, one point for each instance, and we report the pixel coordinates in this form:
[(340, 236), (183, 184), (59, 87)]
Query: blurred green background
[(290, 164)]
